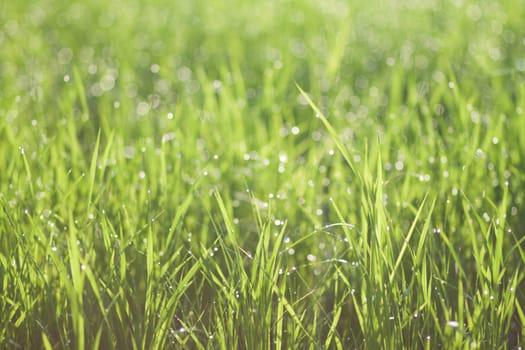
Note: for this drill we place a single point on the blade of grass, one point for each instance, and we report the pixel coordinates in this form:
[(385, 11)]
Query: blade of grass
[(407, 240), (92, 174), (333, 133)]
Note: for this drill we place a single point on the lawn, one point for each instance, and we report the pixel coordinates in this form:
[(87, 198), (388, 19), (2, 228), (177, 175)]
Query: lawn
[(278, 174)]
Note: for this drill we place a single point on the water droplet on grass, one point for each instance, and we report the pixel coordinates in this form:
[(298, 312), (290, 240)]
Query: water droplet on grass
[(311, 258), (480, 153), (65, 55), (168, 137), (155, 68), (453, 324), (143, 108), (217, 85)]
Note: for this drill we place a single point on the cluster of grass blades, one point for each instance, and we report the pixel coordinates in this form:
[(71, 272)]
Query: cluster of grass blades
[(291, 174)]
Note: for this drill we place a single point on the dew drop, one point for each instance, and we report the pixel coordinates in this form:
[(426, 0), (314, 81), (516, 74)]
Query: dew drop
[(453, 324)]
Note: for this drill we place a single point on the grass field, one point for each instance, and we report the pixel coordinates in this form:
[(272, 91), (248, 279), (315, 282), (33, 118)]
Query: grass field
[(279, 174)]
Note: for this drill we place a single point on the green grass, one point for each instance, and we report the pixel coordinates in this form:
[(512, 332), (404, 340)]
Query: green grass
[(262, 174)]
